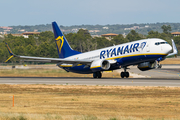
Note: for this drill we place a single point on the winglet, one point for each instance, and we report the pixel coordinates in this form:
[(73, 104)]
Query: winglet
[(10, 52), (175, 51), (9, 58)]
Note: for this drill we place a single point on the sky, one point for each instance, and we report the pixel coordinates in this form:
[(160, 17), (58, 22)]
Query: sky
[(88, 12)]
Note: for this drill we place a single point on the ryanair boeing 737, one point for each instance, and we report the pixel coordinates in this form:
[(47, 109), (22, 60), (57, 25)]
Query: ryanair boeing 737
[(143, 53)]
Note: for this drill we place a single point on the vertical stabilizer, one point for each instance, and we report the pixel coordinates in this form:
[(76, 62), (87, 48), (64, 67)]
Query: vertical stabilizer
[(63, 47)]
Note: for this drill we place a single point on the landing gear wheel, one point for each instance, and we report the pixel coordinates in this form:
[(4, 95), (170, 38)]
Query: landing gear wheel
[(124, 74), (97, 74), (159, 66)]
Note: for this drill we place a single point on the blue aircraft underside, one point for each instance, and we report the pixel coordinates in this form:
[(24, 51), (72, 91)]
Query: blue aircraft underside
[(126, 61)]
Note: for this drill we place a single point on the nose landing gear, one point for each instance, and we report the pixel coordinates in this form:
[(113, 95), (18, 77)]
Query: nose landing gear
[(158, 65)]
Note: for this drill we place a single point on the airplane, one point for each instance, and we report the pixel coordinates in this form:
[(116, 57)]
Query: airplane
[(144, 53)]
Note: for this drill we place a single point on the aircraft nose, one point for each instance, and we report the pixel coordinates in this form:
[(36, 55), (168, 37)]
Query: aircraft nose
[(167, 48)]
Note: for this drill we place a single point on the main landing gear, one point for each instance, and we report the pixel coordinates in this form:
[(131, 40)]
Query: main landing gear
[(97, 74), (124, 74)]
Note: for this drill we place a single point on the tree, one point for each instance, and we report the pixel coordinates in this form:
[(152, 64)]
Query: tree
[(177, 40), (80, 41), (102, 42), (166, 29), (133, 35), (119, 39), (156, 34), (153, 34)]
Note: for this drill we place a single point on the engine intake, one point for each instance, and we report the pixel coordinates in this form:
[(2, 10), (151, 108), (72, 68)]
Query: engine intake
[(98, 65)]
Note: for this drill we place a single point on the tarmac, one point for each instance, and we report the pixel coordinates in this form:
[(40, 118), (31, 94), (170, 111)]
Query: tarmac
[(167, 76)]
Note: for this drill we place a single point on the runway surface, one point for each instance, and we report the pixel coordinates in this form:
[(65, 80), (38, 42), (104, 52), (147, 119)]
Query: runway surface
[(91, 81), (169, 75)]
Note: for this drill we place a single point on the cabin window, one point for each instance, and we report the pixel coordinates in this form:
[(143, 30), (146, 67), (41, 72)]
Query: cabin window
[(158, 43)]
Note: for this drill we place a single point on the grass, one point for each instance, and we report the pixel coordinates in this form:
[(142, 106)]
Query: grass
[(70, 102), (171, 61), (49, 73)]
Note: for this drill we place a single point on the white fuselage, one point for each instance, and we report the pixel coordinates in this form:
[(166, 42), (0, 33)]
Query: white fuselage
[(135, 48)]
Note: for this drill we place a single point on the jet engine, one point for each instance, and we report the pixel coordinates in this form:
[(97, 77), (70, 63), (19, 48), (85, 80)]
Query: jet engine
[(147, 66), (98, 65)]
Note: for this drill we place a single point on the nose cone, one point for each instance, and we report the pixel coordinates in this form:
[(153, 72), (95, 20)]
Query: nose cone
[(167, 48)]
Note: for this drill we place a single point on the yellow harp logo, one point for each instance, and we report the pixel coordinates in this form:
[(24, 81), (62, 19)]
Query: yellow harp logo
[(59, 42)]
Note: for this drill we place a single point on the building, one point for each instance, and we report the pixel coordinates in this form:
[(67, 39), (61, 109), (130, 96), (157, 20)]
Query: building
[(132, 28), (7, 28), (26, 34), (17, 35), (94, 31), (106, 28), (22, 30), (109, 36), (176, 33), (31, 33)]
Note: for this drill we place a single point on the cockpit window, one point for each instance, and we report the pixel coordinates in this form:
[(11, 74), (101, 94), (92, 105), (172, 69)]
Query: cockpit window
[(158, 43)]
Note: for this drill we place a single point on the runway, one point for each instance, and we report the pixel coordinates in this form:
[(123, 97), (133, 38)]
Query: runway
[(91, 81), (169, 75)]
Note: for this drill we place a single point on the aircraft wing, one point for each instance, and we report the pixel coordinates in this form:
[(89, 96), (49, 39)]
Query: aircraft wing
[(57, 60), (51, 60)]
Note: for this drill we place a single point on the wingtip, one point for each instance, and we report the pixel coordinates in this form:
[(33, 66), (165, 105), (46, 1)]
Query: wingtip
[(10, 52), (9, 58)]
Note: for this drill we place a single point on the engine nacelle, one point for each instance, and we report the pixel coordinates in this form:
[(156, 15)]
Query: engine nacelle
[(98, 65), (147, 66)]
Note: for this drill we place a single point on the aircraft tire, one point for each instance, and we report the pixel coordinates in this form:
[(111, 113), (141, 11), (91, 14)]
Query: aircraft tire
[(99, 75), (126, 74), (160, 66), (95, 75), (122, 75)]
